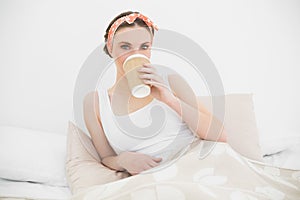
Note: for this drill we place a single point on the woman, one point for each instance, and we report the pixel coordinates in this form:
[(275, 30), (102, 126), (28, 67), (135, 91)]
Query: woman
[(130, 33)]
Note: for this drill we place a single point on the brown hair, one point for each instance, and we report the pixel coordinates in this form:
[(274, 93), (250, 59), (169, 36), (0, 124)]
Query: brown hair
[(138, 22)]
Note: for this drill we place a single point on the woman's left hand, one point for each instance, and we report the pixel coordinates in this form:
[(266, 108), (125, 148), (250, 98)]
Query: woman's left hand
[(159, 88)]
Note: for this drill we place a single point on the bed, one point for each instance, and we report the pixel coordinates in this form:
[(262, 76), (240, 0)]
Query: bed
[(221, 174), (247, 167)]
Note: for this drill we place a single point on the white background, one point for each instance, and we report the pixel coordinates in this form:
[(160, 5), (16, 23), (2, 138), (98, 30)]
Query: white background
[(255, 46)]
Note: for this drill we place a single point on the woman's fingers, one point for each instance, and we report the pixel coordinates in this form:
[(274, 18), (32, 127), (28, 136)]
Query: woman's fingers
[(153, 164), (146, 70), (156, 159), (152, 77), (149, 76), (148, 167), (148, 65), (138, 162), (158, 84), (147, 163)]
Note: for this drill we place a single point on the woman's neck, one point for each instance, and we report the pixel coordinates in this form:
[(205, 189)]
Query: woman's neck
[(120, 74)]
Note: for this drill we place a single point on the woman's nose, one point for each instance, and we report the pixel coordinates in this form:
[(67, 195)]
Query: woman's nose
[(136, 50)]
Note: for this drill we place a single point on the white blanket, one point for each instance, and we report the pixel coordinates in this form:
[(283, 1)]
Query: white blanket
[(223, 174)]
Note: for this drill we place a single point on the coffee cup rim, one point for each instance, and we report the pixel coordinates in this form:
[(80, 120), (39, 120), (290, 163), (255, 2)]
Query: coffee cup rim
[(137, 55)]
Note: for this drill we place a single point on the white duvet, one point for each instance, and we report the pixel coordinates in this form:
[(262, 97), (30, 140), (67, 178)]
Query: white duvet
[(223, 174)]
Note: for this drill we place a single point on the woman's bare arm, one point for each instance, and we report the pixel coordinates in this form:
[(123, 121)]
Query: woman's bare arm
[(93, 123), (203, 123)]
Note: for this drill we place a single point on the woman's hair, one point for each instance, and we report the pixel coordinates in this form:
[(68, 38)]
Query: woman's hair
[(138, 22)]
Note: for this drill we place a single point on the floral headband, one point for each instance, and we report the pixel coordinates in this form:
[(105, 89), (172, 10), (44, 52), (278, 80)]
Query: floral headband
[(129, 19)]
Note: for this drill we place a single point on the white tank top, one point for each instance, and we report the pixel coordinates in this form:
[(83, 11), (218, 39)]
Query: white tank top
[(164, 134)]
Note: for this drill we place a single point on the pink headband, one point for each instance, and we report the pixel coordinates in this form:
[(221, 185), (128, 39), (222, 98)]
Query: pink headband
[(129, 19)]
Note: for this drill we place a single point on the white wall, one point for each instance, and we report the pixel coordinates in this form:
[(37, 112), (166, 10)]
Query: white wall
[(255, 45)]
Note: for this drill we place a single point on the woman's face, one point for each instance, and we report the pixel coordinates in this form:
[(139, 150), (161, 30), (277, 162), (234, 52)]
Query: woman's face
[(131, 40)]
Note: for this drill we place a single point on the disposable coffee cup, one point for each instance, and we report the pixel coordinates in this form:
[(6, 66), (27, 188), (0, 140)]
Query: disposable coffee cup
[(132, 63)]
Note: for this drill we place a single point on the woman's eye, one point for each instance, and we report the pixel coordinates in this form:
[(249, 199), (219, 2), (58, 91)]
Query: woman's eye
[(145, 47), (126, 47)]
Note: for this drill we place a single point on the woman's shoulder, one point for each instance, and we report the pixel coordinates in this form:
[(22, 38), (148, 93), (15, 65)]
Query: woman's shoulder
[(91, 97)]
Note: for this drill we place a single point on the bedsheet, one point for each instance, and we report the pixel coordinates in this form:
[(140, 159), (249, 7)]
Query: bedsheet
[(10, 190), (282, 151), (221, 174), (287, 158)]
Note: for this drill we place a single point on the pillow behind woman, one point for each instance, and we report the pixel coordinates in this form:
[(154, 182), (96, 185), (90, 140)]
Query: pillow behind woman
[(83, 164)]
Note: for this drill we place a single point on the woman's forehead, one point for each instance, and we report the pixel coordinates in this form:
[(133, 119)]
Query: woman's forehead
[(133, 35)]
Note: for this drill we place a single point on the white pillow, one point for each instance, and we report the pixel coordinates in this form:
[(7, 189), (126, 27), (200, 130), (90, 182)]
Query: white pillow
[(31, 155)]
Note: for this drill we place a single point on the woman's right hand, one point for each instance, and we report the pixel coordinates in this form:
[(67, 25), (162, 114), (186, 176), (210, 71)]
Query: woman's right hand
[(135, 162)]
